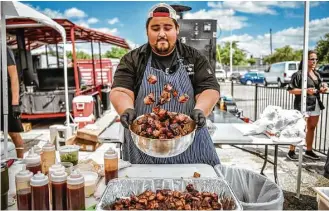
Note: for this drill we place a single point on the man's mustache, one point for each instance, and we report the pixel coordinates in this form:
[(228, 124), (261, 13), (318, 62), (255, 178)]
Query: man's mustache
[(162, 39)]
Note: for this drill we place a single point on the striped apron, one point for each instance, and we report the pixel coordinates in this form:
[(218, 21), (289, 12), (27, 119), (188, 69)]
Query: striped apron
[(202, 149)]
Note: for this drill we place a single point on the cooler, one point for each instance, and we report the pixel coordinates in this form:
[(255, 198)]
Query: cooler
[(83, 110), (83, 106)]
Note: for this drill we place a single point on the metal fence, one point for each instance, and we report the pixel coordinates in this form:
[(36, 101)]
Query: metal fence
[(253, 99)]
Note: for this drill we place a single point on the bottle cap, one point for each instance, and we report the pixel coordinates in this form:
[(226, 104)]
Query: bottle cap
[(56, 167), (110, 154), (39, 179), (75, 178), (58, 176), (48, 147), (32, 158), (24, 175)]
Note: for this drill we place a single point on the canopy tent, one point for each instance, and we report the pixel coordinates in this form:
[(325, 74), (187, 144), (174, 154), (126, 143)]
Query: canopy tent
[(14, 9)]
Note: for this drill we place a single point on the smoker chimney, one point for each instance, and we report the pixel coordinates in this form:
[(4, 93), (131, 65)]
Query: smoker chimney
[(180, 9)]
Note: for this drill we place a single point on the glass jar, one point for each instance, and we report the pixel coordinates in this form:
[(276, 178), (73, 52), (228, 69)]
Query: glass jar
[(23, 190)]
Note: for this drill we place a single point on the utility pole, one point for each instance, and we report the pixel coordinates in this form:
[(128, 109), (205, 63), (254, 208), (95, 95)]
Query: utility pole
[(271, 40), (231, 52)]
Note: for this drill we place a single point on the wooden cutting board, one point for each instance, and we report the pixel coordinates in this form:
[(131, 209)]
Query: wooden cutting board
[(91, 132)]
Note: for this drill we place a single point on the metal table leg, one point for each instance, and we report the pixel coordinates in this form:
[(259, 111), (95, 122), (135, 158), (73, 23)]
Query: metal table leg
[(276, 147), (265, 160), (299, 176)]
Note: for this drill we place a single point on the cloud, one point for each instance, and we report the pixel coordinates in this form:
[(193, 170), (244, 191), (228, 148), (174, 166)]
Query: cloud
[(92, 20), (290, 14), (113, 21), (255, 7), (74, 13), (132, 45), (225, 18), (113, 31), (53, 13), (260, 45), (82, 23)]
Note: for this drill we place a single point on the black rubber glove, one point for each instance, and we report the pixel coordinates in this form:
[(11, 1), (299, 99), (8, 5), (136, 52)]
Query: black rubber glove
[(128, 116), (16, 111), (198, 116)]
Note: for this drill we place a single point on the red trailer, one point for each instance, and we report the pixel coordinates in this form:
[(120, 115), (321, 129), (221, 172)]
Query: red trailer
[(43, 95), (103, 71)]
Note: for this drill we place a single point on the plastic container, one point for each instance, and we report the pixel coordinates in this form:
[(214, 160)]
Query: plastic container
[(69, 153), (48, 157), (23, 190), (91, 179), (4, 185), (111, 165), (58, 190), (33, 162), (40, 192), (68, 167), (75, 191), (254, 191)]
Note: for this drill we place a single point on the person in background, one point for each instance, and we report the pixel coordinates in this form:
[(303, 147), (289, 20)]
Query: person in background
[(14, 111), (162, 62), (313, 102)]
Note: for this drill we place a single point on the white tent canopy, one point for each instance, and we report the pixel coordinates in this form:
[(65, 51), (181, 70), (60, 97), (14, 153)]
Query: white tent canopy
[(14, 9)]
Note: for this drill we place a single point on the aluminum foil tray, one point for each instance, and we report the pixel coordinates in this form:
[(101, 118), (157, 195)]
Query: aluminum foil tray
[(124, 187)]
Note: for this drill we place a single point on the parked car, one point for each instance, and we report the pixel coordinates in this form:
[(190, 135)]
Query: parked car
[(280, 73), (324, 72), (235, 76), (220, 74), (252, 78)]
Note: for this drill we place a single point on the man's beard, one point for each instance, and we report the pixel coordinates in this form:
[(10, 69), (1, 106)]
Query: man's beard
[(162, 49)]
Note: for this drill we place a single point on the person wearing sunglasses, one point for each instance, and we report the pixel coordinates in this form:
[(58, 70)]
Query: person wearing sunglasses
[(315, 86)]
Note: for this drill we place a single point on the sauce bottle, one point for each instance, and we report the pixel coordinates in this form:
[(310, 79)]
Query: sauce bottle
[(55, 167), (32, 161), (48, 157), (58, 190), (75, 191), (23, 190), (40, 192), (111, 165)]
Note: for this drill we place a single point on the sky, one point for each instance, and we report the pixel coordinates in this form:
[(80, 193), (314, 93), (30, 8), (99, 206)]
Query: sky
[(250, 21)]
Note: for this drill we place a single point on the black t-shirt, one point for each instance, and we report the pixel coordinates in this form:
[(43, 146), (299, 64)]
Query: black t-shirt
[(296, 83), (164, 62), (130, 70)]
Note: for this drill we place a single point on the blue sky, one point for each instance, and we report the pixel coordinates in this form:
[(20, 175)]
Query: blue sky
[(250, 21)]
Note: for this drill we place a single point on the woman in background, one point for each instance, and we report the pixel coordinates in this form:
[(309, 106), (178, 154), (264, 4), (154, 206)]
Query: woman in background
[(313, 101)]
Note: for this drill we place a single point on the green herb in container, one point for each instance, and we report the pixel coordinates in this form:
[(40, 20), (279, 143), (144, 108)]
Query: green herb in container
[(69, 153)]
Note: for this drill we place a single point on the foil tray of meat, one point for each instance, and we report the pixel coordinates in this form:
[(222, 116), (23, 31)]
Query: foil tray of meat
[(168, 194)]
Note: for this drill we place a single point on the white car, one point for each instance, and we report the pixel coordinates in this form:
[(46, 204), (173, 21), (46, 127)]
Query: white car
[(220, 74), (280, 73)]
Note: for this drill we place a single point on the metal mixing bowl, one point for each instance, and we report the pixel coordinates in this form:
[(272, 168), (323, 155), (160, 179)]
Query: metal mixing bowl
[(163, 148)]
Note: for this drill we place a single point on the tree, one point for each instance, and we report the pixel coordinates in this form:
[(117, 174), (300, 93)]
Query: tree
[(285, 53), (252, 61), (79, 55), (223, 54), (322, 49), (115, 52)]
